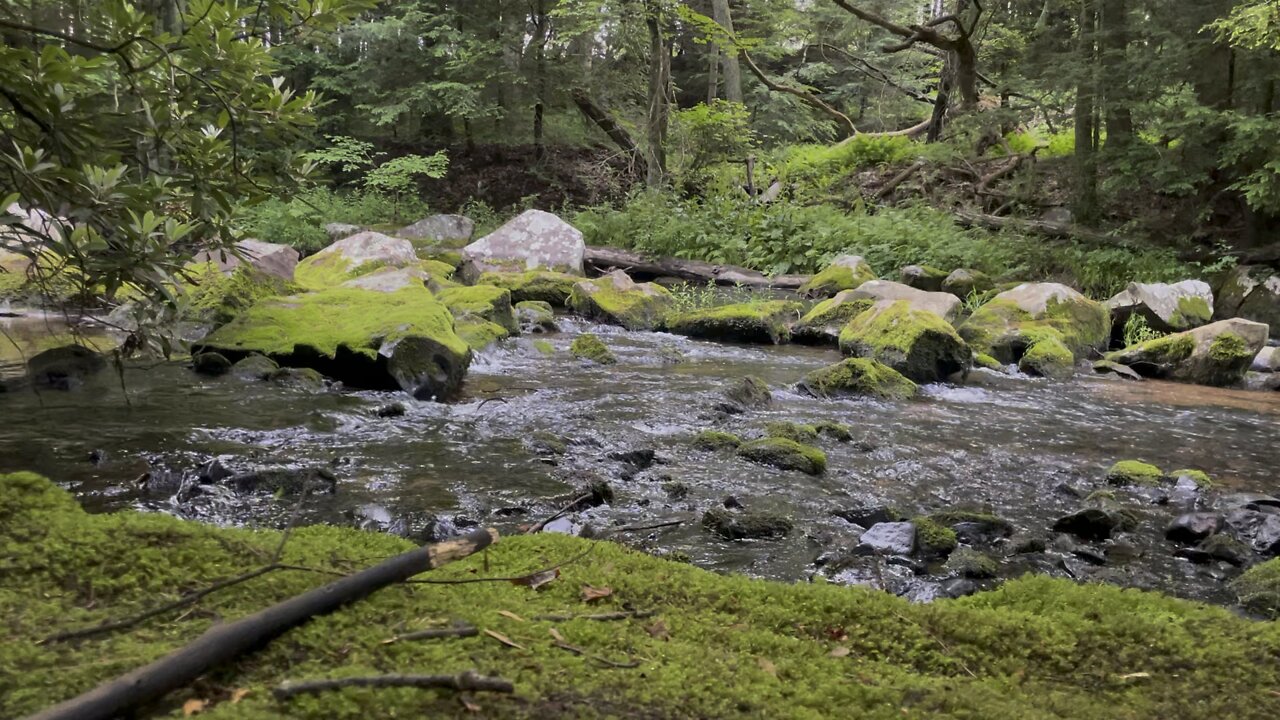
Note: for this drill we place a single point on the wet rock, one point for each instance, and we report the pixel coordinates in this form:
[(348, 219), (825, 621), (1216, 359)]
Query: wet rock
[(254, 367), (892, 538), (747, 393), (805, 434), (617, 299), (533, 240), (970, 563), (869, 515), (1193, 527), (98, 457), (944, 305), (451, 231), (639, 458), (919, 345), (958, 587), (731, 502), (64, 368), (1166, 307), (822, 324), (1015, 320), (1251, 292), (1186, 492), (846, 272), (542, 442), (676, 490), (1026, 544), (1218, 354), (834, 430), (1225, 548), (746, 525), (536, 316), (273, 259), (923, 277), (211, 364), (590, 347), (1266, 361), (964, 283), (1048, 358), (288, 481), (390, 410), (212, 472), (712, 440), (854, 377), (553, 288), (353, 256), (785, 455), (297, 378), (1266, 539), (974, 527), (1250, 501), (1091, 523), (767, 322)]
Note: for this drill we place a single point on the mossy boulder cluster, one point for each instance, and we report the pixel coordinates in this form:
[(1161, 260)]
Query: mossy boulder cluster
[(944, 305), (920, 345), (844, 273), (591, 348), (1216, 354), (857, 377), (767, 322), (352, 257), (823, 323), (1015, 321), (1165, 307), (617, 299)]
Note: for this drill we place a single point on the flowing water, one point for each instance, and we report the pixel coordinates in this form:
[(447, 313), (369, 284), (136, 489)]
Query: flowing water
[(1021, 447)]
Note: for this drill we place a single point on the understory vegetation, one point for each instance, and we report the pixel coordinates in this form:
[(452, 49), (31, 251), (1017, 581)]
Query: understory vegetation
[(715, 646)]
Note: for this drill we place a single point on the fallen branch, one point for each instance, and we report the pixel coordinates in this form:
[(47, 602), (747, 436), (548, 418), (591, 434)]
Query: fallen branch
[(806, 97), (469, 681), (537, 527), (460, 631), (655, 526), (606, 259), (591, 656), (223, 643), (603, 617), (898, 179)]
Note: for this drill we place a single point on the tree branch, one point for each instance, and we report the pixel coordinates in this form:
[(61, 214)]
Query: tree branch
[(807, 97)]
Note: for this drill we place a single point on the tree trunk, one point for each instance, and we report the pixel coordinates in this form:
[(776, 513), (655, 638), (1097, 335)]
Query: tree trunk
[(542, 28), (610, 126), (659, 98), (732, 70), (1086, 161), (1115, 73), (713, 73), (938, 117)]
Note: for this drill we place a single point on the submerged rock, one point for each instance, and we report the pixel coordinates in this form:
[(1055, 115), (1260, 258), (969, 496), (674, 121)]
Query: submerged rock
[(588, 346), (1016, 320), (352, 257), (1216, 354), (617, 299), (746, 525), (1099, 520), (289, 481), (211, 364), (1166, 307), (965, 283), (944, 305), (924, 277), (366, 339), (846, 272), (64, 368), (254, 367), (533, 240), (919, 345), (766, 322), (785, 455), (451, 231), (859, 376), (970, 563)]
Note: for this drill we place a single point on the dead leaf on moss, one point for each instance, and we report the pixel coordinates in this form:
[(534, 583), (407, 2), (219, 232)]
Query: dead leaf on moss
[(467, 703), (238, 695), (194, 706), (767, 666), (658, 630), (555, 634), (538, 579), (591, 594), (840, 651), (504, 639), (511, 615)]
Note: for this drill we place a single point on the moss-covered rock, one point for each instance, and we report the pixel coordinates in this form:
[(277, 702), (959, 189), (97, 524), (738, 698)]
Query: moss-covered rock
[(533, 240), (986, 523), (1017, 319), (766, 322), (1217, 354), (1165, 307), (716, 440), (1037, 647), (746, 393), (944, 305), (834, 430), (1048, 358), (367, 339), (1199, 477), (1259, 588), (844, 273), (984, 360), (1251, 292), (791, 431), (785, 455), (617, 299), (970, 563), (923, 277), (536, 316), (933, 539), (253, 367), (352, 257), (482, 301), (1134, 472), (822, 324), (588, 346), (543, 285), (919, 345), (965, 283), (859, 376), (746, 525)]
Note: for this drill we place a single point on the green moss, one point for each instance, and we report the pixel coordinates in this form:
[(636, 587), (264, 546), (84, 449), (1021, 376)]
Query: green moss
[(589, 347), (1167, 350), (920, 345), (924, 277), (211, 296), (544, 347), (1199, 477), (1193, 311), (1229, 348), (951, 518), (934, 539), (834, 430), (785, 454), (482, 301), (970, 563), (549, 287), (1036, 647), (1004, 331), (1134, 472), (1259, 588), (716, 440), (756, 322), (984, 360), (749, 393), (859, 376), (437, 269), (836, 311), (792, 431), (635, 307), (835, 278), (1048, 358), (479, 333), (452, 258)]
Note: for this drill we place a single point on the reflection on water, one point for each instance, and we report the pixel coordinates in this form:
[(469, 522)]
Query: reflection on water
[(27, 334), (1004, 443)]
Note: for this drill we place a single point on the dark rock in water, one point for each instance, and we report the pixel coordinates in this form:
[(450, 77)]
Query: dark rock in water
[(1186, 493), (254, 367), (1267, 539), (600, 490), (297, 378), (1249, 501), (513, 511), (545, 443), (1257, 528), (64, 368), (640, 458), (746, 525), (1089, 524), (1093, 556), (1121, 551), (1193, 527), (98, 457), (211, 363), (1226, 548), (1026, 544), (731, 502), (973, 527), (958, 587), (895, 538), (391, 410), (748, 393), (290, 481), (868, 515), (213, 472)]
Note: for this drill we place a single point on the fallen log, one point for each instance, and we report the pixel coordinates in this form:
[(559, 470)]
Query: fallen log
[(223, 643), (468, 681), (606, 259), (1065, 231)]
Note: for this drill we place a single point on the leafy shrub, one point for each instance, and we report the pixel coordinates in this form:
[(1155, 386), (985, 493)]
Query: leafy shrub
[(710, 133), (299, 221)]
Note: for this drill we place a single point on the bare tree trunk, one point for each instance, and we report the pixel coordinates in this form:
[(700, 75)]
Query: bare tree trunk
[(1114, 45), (542, 33), (1086, 161), (659, 97), (732, 71), (713, 73)]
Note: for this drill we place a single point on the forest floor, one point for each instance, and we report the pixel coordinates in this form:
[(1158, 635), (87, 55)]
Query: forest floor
[(698, 645)]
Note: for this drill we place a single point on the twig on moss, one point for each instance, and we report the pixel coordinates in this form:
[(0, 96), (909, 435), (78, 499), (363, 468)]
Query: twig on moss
[(526, 579), (559, 513), (469, 681), (591, 656), (621, 615), (434, 633)]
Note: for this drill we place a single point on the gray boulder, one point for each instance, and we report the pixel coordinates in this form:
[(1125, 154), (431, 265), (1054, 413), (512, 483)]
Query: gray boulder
[(533, 240), (353, 256), (1193, 527), (270, 258), (1167, 307), (891, 538), (1217, 354), (962, 283), (923, 277), (1266, 361), (1251, 292), (453, 231), (944, 305), (338, 231)]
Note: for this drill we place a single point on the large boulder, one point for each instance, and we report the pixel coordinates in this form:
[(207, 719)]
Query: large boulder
[(844, 273), (533, 240), (920, 345), (366, 338), (755, 322), (483, 314), (1217, 354), (822, 324), (923, 277), (1167, 307), (944, 305), (617, 299), (1016, 320), (1251, 292), (1266, 361), (64, 368), (541, 285), (858, 376), (352, 257), (963, 283), (268, 258), (453, 231)]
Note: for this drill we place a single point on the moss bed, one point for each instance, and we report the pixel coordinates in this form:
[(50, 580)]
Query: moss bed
[(718, 646)]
